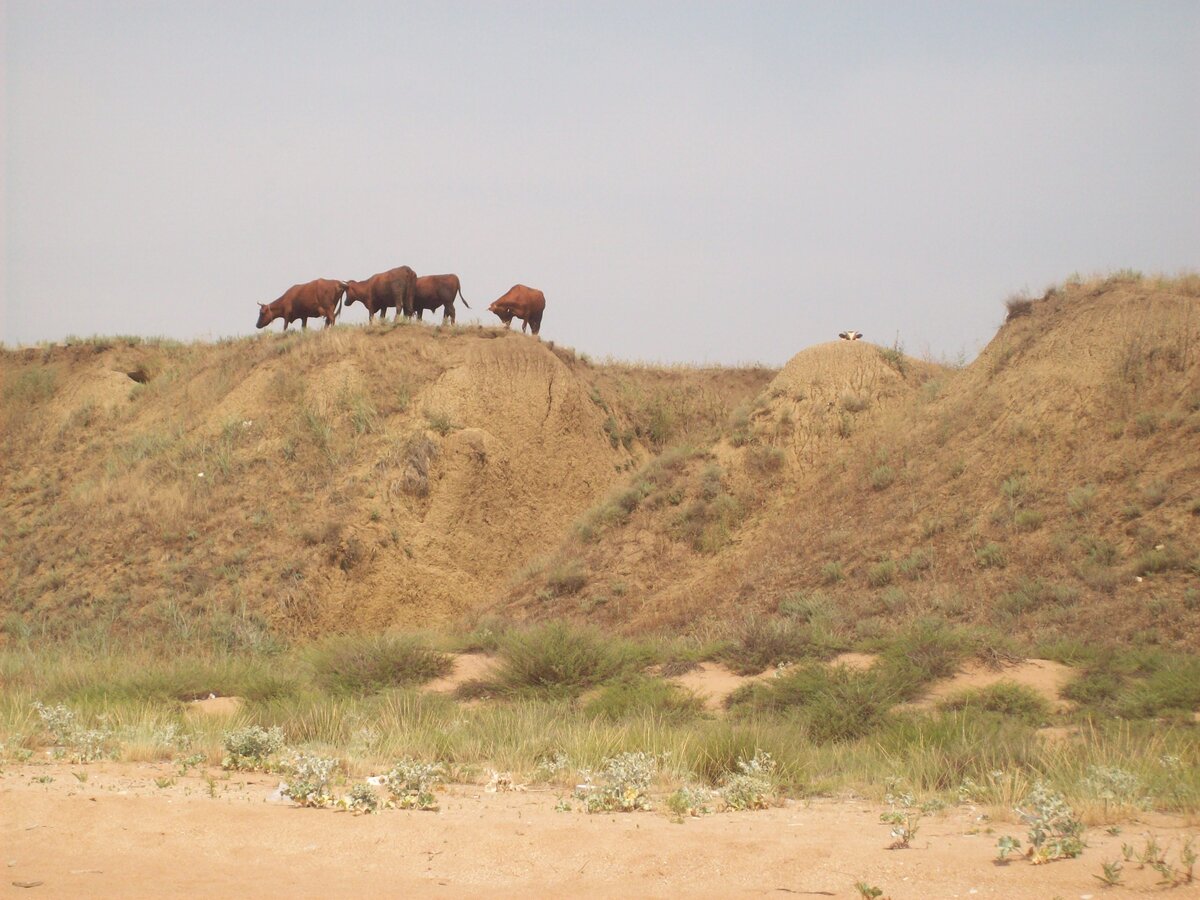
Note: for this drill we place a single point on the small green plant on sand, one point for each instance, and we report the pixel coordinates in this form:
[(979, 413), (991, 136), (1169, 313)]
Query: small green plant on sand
[(1110, 873), (411, 784), (904, 817), (72, 741), (250, 749), (690, 801), (1054, 831), (753, 785), (1006, 845), (623, 782), (309, 779)]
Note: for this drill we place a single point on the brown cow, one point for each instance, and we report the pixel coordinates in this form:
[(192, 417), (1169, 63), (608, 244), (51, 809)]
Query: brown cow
[(525, 303), (303, 301), (438, 290), (393, 288)]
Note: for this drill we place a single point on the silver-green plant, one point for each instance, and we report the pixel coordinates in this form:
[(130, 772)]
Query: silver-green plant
[(309, 779), (1054, 831), (411, 784), (71, 741), (250, 749), (690, 801), (624, 781), (903, 815), (753, 785)]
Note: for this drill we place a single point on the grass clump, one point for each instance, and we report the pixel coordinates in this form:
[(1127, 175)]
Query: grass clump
[(566, 579), (1007, 698), (356, 664), (639, 695), (557, 660), (833, 704), (922, 655), (759, 643)]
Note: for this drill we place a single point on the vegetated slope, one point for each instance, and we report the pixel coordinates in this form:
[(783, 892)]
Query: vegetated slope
[(338, 480), (1050, 489)]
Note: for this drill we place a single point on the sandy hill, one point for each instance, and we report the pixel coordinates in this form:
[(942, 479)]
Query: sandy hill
[(352, 478), (1051, 488)]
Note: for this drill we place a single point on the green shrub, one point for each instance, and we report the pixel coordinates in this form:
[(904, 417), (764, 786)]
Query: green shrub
[(566, 579), (624, 782), (557, 659), (760, 643), (833, 704), (1006, 698), (991, 556), (915, 564), (250, 748), (1028, 519), (355, 664), (832, 572), (806, 607), (1081, 500), (882, 573), (915, 658), (638, 695), (881, 477)]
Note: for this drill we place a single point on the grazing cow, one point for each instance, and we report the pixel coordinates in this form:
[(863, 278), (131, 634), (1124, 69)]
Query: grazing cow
[(433, 291), (844, 335), (525, 303), (322, 297), (393, 288)]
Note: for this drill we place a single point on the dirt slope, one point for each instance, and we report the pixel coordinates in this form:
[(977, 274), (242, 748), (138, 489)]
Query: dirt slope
[(354, 478), (1051, 488)]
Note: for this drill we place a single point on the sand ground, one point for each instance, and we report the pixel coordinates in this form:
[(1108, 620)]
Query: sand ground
[(118, 834)]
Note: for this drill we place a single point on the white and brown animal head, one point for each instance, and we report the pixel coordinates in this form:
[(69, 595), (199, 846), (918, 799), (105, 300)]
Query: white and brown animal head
[(850, 335)]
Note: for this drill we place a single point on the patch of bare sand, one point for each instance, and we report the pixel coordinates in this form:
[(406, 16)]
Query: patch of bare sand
[(215, 706), (1044, 676), (858, 661), (467, 667), (119, 835), (713, 683)]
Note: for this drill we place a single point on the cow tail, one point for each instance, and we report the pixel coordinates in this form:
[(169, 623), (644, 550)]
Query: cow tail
[(461, 297), (337, 310)]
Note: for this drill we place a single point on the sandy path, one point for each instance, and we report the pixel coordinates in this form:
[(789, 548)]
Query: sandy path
[(118, 835)]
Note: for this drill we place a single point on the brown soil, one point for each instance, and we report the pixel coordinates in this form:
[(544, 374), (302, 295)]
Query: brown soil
[(1027, 491), (119, 835)]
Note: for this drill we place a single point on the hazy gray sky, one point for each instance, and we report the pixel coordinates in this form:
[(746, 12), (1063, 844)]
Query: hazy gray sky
[(704, 182)]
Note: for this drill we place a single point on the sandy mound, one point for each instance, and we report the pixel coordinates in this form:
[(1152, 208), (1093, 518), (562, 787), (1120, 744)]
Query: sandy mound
[(857, 661), (215, 706), (713, 683), (1044, 676), (827, 392), (467, 667)]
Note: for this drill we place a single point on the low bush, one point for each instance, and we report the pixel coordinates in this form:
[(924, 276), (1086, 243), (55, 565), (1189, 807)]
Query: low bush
[(557, 659), (1006, 698), (640, 695), (758, 643), (354, 664)]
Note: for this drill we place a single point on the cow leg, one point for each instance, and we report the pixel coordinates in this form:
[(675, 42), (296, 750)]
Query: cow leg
[(448, 313), (420, 314), (535, 322), (304, 322), (524, 325)]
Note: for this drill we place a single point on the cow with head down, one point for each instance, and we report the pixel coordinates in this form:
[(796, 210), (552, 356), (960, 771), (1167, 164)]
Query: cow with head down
[(524, 303), (433, 291), (314, 299), (393, 289)]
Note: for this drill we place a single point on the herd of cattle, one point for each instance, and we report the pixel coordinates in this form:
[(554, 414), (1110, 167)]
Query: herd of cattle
[(399, 289)]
